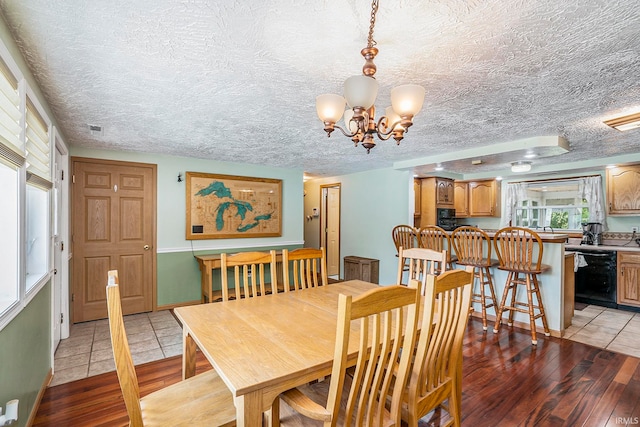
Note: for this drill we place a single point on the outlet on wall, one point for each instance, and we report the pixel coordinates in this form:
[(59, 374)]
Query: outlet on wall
[(634, 229)]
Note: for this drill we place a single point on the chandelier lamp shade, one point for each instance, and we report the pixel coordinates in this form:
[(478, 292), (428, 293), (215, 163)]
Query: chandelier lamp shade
[(360, 94)]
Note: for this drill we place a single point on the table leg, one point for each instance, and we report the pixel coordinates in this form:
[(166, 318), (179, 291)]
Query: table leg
[(249, 409), (188, 355)]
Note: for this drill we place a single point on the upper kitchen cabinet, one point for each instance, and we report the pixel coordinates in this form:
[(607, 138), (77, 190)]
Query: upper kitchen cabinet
[(461, 199), (623, 190), (435, 192), (444, 192), (417, 205), (477, 198)]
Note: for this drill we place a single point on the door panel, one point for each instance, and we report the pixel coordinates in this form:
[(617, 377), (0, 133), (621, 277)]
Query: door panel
[(113, 228)]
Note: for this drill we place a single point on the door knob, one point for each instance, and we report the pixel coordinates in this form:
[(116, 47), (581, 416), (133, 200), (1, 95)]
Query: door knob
[(145, 247)]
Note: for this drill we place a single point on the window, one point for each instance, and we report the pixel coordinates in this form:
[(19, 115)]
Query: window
[(25, 191), (38, 189), (559, 204)]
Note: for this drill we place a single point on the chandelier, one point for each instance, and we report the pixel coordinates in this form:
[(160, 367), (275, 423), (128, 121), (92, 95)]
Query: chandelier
[(360, 94)]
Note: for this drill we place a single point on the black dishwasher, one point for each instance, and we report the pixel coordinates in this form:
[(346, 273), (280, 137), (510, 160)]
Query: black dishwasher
[(596, 277)]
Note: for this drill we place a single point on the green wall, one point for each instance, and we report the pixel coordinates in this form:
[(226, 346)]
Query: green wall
[(371, 204), (178, 275), (25, 343), (25, 354)]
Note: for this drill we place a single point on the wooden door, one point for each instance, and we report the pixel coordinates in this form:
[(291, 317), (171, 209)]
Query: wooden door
[(114, 227), (330, 223)]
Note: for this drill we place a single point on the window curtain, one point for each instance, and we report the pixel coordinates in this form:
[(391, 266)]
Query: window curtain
[(516, 193), (590, 189)]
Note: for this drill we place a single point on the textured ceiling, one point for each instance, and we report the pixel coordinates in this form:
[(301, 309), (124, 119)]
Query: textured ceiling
[(236, 80)]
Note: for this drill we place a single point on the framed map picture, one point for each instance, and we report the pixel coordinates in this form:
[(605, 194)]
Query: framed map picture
[(229, 207)]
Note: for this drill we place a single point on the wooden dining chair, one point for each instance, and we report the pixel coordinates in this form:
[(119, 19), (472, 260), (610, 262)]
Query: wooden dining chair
[(436, 375), (472, 247), (304, 268), (421, 262), (404, 236), (203, 400), (387, 318), (437, 239), (249, 274)]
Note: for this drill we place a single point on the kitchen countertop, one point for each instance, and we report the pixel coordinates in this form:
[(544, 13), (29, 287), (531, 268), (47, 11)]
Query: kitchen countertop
[(586, 248)]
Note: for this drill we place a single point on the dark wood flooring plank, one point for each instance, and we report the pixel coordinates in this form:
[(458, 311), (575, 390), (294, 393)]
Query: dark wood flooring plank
[(506, 382)]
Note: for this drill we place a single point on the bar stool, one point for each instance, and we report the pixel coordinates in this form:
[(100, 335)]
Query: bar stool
[(519, 252), (472, 247), (437, 239), (404, 236)]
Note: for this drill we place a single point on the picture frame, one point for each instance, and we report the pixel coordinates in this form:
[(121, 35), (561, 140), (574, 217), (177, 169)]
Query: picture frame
[(229, 206)]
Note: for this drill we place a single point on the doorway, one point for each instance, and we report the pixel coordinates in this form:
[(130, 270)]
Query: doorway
[(60, 292), (330, 226), (114, 227)]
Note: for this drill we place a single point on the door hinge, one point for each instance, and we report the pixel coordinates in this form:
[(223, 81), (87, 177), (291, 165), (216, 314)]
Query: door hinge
[(73, 178), (62, 175), (61, 317), (61, 246), (73, 297)]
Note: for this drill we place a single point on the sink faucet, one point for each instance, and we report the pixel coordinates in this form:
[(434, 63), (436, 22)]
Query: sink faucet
[(545, 228)]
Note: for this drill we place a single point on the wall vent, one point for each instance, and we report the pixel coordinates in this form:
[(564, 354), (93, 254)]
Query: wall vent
[(96, 130)]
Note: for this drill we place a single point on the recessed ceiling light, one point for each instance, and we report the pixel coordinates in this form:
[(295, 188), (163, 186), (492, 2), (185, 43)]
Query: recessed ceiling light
[(611, 166), (520, 166), (632, 121), (476, 161), (498, 178), (530, 155), (439, 167)]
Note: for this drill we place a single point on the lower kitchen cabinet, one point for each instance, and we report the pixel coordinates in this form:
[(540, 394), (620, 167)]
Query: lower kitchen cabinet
[(629, 278)]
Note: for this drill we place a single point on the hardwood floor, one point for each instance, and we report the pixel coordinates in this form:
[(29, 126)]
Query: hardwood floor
[(507, 382)]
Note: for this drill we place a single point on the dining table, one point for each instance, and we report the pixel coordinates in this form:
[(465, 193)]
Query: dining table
[(266, 345)]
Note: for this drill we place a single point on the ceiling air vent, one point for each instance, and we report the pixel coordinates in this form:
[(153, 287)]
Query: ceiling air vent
[(96, 130)]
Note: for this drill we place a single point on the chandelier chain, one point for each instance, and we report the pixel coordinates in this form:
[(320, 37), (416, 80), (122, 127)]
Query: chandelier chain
[(372, 22)]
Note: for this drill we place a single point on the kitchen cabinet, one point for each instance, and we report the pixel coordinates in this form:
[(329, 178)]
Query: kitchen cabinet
[(444, 192), (435, 192), (417, 205), (461, 199), (569, 289), (477, 198), (629, 278), (623, 190)]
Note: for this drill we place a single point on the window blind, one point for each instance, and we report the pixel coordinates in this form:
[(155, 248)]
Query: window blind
[(38, 149), (11, 149)]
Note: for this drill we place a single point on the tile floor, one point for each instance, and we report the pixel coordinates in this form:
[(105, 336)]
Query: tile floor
[(154, 336), (615, 330), (87, 351)]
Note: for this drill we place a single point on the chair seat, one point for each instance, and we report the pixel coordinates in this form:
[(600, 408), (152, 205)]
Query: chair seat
[(202, 400), (543, 268), (479, 263)]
